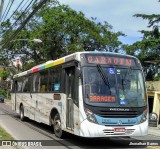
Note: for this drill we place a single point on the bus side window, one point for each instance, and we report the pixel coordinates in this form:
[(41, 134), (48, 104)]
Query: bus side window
[(54, 80), (43, 88), (15, 89), (30, 83), (43, 81), (36, 83), (25, 85), (19, 86)]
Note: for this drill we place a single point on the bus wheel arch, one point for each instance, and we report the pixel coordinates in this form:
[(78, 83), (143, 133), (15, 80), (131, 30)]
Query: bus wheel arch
[(56, 123), (21, 112), (52, 115)]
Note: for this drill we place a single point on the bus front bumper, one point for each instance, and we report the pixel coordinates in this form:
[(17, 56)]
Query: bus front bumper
[(88, 129)]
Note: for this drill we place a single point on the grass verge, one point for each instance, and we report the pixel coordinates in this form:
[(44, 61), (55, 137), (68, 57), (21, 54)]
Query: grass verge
[(4, 135)]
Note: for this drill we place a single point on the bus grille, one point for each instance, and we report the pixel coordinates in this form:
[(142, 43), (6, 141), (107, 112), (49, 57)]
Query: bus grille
[(116, 114), (108, 112), (111, 132)]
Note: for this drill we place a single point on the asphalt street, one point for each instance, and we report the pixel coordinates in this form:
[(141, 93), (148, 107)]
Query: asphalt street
[(31, 133)]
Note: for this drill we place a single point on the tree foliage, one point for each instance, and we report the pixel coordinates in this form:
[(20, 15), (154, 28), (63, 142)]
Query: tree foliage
[(3, 74), (62, 30), (148, 49)]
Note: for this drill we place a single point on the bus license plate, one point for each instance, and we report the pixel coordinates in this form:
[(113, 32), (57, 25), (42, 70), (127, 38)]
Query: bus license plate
[(119, 130)]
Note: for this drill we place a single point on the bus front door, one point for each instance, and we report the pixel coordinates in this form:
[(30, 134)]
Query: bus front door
[(14, 105), (70, 76)]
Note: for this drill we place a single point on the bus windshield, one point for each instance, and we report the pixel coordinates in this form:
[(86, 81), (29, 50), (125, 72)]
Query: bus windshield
[(113, 87)]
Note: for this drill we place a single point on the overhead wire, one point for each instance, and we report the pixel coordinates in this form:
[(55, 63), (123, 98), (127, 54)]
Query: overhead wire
[(27, 9), (25, 4), (5, 11), (2, 27), (8, 10), (42, 2), (16, 9), (24, 12)]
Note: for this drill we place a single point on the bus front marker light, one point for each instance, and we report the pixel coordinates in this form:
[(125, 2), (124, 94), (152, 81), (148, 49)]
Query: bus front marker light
[(90, 116)]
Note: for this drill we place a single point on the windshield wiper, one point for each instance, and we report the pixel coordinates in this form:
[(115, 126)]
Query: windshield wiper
[(125, 78), (103, 76)]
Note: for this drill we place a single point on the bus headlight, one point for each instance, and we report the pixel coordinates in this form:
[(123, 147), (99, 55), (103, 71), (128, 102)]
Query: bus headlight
[(144, 117), (90, 116)]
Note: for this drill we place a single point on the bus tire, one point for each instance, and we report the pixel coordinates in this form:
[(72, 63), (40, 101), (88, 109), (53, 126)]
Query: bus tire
[(57, 126), (21, 113)]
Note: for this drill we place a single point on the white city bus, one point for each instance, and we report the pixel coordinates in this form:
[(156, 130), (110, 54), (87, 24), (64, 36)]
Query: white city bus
[(89, 94)]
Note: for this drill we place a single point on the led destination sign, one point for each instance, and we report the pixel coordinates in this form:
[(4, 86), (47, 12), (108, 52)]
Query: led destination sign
[(110, 60), (108, 99)]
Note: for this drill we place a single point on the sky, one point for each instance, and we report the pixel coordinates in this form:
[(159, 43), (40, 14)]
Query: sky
[(118, 13)]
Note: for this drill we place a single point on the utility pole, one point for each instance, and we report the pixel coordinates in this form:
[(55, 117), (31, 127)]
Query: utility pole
[(1, 7)]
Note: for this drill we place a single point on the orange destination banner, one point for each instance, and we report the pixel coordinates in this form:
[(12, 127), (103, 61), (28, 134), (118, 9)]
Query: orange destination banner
[(102, 99), (110, 60)]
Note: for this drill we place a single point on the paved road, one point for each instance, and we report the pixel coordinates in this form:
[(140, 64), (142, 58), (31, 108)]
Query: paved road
[(42, 134)]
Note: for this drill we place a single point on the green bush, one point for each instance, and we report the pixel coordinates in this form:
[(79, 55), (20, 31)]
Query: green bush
[(4, 74), (3, 92), (157, 78)]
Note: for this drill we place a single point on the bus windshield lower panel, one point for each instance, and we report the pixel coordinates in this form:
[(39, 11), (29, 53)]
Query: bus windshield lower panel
[(113, 87)]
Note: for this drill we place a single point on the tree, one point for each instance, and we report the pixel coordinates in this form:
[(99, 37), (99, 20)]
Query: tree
[(149, 47), (3, 74), (63, 31)]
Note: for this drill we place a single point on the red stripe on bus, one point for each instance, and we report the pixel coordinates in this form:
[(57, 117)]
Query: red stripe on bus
[(35, 70)]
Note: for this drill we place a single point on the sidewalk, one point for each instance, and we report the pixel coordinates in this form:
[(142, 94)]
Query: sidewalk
[(8, 147), (22, 132), (155, 131)]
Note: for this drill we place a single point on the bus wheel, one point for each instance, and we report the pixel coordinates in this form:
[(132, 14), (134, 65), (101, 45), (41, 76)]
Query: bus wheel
[(57, 126), (21, 113)]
